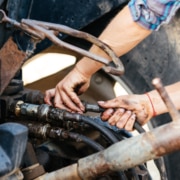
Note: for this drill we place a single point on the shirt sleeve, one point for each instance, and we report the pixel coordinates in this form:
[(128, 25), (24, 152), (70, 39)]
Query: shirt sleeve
[(151, 14)]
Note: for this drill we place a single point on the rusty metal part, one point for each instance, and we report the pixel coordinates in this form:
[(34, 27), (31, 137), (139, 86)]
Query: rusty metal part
[(11, 60), (44, 30), (123, 155), (5, 18), (134, 151), (33, 171), (69, 173), (174, 113), (17, 175), (85, 36)]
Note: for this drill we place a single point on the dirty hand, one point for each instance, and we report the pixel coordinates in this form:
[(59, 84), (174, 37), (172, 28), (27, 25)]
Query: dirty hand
[(65, 94), (122, 111)]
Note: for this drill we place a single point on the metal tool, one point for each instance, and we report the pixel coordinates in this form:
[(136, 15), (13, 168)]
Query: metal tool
[(41, 30)]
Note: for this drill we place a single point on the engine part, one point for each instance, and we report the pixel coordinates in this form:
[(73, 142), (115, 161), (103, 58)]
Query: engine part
[(68, 114), (13, 141), (123, 155), (42, 114)]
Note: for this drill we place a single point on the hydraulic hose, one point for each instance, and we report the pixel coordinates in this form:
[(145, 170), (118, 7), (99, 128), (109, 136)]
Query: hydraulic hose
[(102, 129), (81, 138)]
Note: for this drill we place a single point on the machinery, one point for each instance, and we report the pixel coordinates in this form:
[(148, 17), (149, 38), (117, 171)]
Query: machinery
[(38, 141)]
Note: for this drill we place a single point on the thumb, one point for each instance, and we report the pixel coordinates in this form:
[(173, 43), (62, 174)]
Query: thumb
[(107, 104), (118, 102)]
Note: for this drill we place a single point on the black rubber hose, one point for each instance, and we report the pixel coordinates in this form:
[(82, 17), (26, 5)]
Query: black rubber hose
[(86, 119), (81, 138), (102, 129), (138, 127)]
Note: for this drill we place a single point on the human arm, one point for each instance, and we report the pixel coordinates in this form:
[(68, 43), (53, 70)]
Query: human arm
[(122, 34), (124, 110), (129, 27)]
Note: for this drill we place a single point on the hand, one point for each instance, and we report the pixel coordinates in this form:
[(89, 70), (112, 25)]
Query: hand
[(65, 94), (122, 111)]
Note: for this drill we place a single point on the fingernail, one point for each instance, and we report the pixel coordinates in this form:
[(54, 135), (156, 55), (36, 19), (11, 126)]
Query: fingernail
[(82, 109), (101, 102), (122, 110), (110, 111), (129, 112), (134, 116)]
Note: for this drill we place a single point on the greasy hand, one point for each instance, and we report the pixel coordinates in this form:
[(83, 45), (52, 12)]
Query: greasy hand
[(124, 110), (65, 94)]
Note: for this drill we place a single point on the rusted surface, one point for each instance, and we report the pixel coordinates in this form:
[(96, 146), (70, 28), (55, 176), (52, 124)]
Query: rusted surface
[(119, 70), (33, 171), (166, 140), (41, 30), (68, 173), (174, 113), (11, 59), (132, 152)]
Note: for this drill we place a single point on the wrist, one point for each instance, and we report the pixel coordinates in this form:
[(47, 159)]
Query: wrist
[(157, 103), (151, 105), (87, 67)]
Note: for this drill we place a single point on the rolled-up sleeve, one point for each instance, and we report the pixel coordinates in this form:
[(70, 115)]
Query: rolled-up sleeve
[(151, 14)]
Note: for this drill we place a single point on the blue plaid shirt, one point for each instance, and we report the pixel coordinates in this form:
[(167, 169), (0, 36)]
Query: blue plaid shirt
[(151, 14)]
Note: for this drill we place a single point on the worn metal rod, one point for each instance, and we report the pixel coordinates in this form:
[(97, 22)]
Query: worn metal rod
[(42, 30), (69, 173), (79, 34), (165, 97), (6, 19), (50, 34)]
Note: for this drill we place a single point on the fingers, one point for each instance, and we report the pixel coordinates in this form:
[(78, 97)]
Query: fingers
[(118, 102), (68, 101), (49, 95), (126, 109), (120, 117), (63, 101), (60, 99), (72, 101), (107, 114), (129, 125)]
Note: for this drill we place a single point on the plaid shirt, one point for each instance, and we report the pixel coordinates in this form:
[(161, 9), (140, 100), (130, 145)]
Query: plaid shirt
[(151, 14)]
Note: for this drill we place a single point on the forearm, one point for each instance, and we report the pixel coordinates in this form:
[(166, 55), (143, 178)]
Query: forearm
[(174, 94), (122, 34)]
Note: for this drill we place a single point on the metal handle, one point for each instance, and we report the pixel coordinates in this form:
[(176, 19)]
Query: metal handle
[(41, 30)]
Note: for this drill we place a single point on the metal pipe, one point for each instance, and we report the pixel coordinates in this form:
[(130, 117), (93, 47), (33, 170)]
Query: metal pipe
[(132, 152), (69, 173), (124, 154), (174, 113)]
